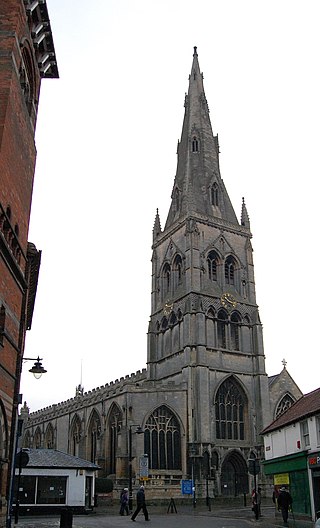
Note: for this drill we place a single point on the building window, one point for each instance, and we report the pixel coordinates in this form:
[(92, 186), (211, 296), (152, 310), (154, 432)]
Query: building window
[(177, 271), (166, 279), (235, 331), (214, 194), (94, 431), (229, 269), (229, 409), (222, 329), (115, 422), (284, 404), (195, 144), (49, 437), (212, 261), (162, 439), (75, 435), (318, 429), (305, 433)]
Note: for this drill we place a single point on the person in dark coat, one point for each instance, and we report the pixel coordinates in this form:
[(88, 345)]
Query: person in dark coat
[(141, 505), (124, 502), (284, 503)]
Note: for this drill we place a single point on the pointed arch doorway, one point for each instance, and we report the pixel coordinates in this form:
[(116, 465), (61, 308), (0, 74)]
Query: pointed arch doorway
[(234, 475)]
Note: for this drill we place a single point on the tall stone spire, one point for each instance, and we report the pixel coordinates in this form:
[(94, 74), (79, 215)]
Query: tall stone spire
[(198, 188)]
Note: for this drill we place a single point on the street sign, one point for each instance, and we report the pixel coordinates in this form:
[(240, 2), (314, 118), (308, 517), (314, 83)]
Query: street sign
[(187, 487), (254, 466), (144, 466)]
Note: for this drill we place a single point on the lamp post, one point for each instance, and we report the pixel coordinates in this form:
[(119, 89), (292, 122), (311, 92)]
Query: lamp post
[(138, 431), (37, 370)]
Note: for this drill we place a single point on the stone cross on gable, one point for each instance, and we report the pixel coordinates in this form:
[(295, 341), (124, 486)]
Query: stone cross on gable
[(284, 363)]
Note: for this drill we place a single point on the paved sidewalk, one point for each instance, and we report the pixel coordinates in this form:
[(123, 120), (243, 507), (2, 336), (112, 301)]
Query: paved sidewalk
[(186, 517)]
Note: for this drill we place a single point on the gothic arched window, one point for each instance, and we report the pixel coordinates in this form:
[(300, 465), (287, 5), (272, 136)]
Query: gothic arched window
[(212, 261), (75, 435), (214, 194), (115, 422), (235, 331), (162, 439), (49, 437), (284, 404), (94, 431), (37, 438), (26, 440), (229, 409), (195, 144), (177, 271), (222, 329), (166, 279), (229, 270)]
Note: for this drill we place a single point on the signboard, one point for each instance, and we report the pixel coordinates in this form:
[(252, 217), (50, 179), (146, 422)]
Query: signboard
[(254, 466), (187, 487), (314, 460), (144, 466), (281, 478)]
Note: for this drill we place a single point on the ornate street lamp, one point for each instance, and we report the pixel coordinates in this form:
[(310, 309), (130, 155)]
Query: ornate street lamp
[(37, 370), (137, 431)]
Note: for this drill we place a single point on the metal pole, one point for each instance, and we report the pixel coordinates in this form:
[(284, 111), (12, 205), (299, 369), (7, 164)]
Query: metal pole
[(130, 468)]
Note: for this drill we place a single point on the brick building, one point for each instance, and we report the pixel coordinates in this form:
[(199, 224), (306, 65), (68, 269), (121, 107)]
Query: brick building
[(205, 395), (26, 56)]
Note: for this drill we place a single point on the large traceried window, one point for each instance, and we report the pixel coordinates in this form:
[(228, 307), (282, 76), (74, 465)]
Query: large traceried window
[(75, 435), (94, 431), (115, 422), (284, 404), (49, 437), (229, 410), (162, 439)]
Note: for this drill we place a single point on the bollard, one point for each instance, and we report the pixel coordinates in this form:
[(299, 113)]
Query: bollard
[(66, 518)]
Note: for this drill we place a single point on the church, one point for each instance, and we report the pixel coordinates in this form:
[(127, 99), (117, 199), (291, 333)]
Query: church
[(204, 396)]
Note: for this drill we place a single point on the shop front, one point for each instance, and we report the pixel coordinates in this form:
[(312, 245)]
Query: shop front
[(314, 468)]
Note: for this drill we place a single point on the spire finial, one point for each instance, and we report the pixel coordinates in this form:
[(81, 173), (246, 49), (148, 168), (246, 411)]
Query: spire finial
[(195, 51)]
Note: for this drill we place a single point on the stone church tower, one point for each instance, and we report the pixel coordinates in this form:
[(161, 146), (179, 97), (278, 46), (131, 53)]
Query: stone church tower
[(205, 328), (205, 395)]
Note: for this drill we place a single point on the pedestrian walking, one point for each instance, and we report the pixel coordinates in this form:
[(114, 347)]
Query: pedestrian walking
[(256, 503), (124, 502), (284, 503), (141, 505)]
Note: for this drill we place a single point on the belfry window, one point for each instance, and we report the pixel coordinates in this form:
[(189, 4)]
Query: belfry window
[(229, 409), (195, 144), (222, 329), (229, 269), (162, 439), (214, 194), (166, 279), (212, 261), (235, 331)]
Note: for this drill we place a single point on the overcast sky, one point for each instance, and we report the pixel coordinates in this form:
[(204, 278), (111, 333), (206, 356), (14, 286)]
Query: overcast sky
[(106, 137)]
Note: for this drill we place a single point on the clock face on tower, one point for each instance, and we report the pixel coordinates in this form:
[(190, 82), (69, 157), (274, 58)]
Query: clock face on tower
[(167, 307), (227, 300)]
